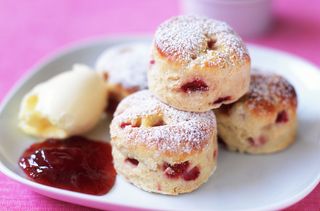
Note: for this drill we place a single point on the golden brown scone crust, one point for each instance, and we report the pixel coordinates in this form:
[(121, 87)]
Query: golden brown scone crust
[(262, 121)]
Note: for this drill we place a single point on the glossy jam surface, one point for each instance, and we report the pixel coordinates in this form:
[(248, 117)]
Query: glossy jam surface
[(76, 164)]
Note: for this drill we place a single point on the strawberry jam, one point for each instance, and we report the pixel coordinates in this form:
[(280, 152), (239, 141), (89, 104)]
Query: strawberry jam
[(195, 86), (133, 161), (282, 117), (211, 44), (191, 174), (181, 170), (76, 164), (176, 170)]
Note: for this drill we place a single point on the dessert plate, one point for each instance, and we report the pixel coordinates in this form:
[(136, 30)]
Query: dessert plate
[(241, 182)]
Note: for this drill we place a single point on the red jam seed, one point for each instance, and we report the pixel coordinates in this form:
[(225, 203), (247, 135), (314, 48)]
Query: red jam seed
[(124, 124), (133, 161), (194, 86), (282, 117), (191, 174), (180, 170), (176, 170), (211, 44)]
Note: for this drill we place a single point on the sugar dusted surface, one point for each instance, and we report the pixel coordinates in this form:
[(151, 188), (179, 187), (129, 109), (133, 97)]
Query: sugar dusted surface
[(126, 64), (269, 90), (186, 38), (183, 132)]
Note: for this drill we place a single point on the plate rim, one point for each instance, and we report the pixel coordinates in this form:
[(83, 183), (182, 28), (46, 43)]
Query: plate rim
[(77, 45)]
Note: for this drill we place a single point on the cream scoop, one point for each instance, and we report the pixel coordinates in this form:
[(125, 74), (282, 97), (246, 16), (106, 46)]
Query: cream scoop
[(70, 103)]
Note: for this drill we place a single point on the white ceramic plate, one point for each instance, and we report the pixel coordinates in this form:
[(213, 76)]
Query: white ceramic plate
[(241, 182)]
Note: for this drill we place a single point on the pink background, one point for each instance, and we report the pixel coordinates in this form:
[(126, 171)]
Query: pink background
[(30, 30)]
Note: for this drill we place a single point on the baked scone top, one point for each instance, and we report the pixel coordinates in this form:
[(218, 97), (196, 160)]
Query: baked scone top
[(126, 64), (268, 91), (151, 123), (199, 41)]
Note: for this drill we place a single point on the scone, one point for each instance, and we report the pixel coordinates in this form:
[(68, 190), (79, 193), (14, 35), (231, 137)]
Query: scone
[(198, 64), (161, 149), (125, 69), (262, 121)]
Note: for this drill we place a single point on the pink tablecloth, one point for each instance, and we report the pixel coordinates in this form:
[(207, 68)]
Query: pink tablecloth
[(29, 30)]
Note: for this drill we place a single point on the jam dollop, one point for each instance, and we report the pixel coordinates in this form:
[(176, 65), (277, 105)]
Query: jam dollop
[(76, 164)]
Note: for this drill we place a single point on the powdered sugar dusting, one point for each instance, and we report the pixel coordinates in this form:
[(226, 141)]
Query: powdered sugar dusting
[(126, 64), (183, 132), (186, 38), (268, 90)]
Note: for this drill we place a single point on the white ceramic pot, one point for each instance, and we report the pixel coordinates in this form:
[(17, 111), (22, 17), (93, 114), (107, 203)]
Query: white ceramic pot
[(249, 18)]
